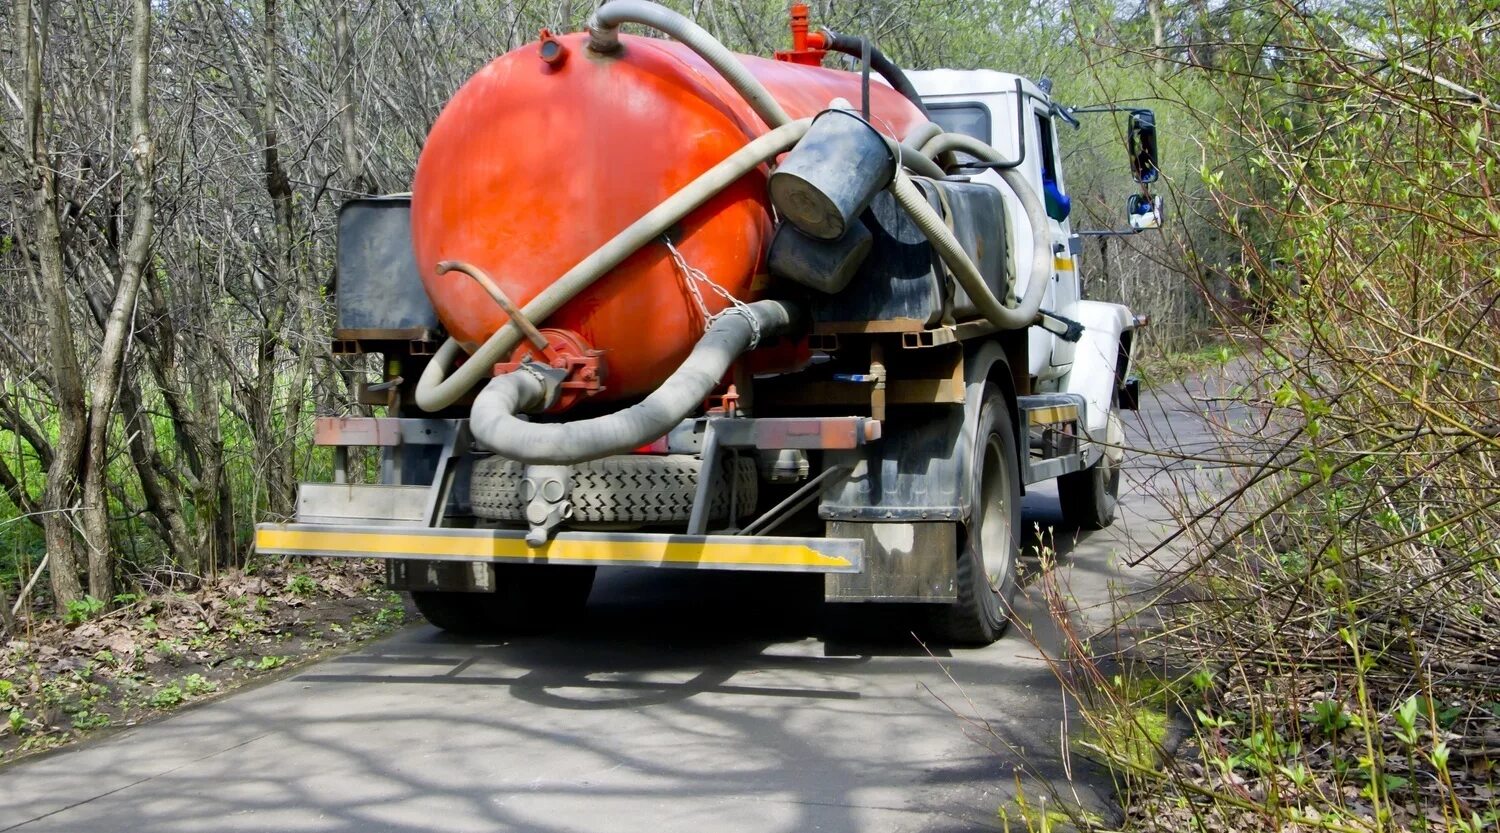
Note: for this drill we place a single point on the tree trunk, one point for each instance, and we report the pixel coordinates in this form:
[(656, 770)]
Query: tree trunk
[(109, 365), (1158, 36), (161, 499), (289, 279), (60, 497), (13, 481), (354, 166)]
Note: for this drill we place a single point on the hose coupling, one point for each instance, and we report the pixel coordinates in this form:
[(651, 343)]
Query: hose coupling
[(604, 38), (549, 382)]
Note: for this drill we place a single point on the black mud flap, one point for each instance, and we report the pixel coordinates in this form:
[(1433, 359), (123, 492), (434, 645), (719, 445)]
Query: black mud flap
[(447, 576)]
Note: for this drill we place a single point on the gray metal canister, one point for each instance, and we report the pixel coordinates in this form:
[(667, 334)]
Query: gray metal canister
[(829, 178), (824, 265)]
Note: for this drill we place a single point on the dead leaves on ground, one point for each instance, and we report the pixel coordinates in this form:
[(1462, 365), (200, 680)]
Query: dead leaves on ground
[(59, 680)]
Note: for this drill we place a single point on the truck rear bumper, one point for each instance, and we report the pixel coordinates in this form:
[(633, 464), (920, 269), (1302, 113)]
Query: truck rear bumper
[(622, 549)]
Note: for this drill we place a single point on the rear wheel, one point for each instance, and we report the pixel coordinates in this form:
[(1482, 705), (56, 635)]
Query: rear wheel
[(986, 580), (528, 598)]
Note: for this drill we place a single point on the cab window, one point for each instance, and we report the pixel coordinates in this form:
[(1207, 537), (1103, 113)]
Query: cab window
[(969, 119)]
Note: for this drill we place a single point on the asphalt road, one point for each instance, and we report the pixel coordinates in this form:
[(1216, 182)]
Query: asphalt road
[(685, 702)]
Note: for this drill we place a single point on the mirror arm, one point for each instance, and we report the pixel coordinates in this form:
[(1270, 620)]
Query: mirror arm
[(1106, 108), (1066, 115)]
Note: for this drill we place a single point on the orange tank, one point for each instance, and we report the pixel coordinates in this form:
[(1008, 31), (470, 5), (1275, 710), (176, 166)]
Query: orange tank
[(534, 164)]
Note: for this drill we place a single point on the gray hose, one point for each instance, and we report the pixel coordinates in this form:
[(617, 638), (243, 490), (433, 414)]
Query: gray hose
[(497, 425), (945, 142), (921, 138), (604, 37), (924, 133), (953, 254), (435, 392), (1041, 242), (911, 157)]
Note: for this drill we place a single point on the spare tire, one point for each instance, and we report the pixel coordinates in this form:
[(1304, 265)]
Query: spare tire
[(628, 488)]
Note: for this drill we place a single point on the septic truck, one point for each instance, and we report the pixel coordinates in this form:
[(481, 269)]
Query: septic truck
[(651, 303)]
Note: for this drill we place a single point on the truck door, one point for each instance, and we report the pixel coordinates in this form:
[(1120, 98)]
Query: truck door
[(1065, 277)]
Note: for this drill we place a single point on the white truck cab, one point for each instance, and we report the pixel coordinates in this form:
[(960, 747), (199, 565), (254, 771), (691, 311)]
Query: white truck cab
[(1018, 118), (983, 104)]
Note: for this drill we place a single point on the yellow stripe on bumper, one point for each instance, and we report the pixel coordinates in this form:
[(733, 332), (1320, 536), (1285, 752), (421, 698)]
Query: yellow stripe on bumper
[(626, 549), (1052, 415)]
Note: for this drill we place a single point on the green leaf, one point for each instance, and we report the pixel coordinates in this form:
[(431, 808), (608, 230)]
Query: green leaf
[(1406, 714), (1471, 137), (1440, 756)]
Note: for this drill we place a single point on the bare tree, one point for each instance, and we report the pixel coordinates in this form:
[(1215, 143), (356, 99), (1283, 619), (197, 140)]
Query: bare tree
[(60, 497), (104, 380)]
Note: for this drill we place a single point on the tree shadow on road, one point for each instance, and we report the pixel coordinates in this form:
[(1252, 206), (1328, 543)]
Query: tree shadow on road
[(680, 700)]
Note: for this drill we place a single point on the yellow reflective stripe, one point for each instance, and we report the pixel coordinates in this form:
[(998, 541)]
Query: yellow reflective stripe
[(1055, 413), (663, 551), (1062, 264)]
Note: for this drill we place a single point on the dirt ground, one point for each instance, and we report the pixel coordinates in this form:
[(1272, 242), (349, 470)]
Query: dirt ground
[(65, 680)]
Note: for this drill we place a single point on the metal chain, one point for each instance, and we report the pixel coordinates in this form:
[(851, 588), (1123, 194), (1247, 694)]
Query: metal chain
[(890, 133), (695, 279)]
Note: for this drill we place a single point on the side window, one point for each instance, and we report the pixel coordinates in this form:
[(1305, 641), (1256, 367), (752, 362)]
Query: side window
[(969, 119), (1054, 190), (1050, 169)]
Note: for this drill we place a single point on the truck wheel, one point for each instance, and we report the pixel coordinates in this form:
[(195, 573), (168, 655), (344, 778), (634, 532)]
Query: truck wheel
[(1089, 497), (528, 598), (986, 579)]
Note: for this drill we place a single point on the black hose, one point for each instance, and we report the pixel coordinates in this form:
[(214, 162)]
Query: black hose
[(855, 45)]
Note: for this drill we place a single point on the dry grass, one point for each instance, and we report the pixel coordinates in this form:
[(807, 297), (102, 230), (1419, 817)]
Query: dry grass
[(1323, 641)]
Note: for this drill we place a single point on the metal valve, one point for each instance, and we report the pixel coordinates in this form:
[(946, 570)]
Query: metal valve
[(547, 491)]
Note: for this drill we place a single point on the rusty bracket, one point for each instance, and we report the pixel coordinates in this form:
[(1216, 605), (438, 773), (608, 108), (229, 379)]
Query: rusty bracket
[(827, 433), (585, 368)]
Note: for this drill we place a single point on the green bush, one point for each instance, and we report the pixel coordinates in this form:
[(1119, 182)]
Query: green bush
[(82, 610)]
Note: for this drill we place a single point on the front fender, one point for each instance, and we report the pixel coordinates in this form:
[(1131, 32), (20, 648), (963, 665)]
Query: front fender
[(1096, 358)]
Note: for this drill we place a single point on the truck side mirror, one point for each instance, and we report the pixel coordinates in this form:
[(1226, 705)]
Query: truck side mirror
[(1140, 143), (1145, 211)]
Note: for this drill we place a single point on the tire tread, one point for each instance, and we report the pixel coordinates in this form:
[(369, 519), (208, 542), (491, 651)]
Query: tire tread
[(624, 489)]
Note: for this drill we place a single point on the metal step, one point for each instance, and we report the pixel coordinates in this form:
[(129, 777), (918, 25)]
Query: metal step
[(418, 461), (338, 504), (1054, 429)]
